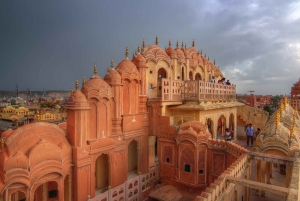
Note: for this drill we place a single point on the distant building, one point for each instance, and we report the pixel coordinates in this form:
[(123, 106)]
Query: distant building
[(257, 101), (295, 95)]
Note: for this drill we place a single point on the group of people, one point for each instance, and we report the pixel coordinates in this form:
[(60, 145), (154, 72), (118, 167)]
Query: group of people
[(221, 81), (251, 134)]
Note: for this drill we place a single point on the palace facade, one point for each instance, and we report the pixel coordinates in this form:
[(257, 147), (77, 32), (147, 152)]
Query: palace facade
[(155, 118)]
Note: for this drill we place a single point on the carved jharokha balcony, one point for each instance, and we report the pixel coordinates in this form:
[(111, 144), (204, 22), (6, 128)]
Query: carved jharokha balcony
[(195, 90)]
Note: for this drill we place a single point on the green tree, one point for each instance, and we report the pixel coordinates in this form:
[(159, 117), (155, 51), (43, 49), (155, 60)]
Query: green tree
[(275, 101), (268, 109)]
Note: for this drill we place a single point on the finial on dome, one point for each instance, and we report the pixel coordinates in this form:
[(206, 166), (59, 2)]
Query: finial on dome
[(208, 58), (72, 92), (177, 45), (126, 53), (182, 44), (76, 84), (214, 62), (156, 40), (193, 44), (170, 44), (201, 52), (277, 121), (138, 49), (95, 69), (292, 127), (2, 141), (165, 48), (83, 81), (112, 64), (281, 109), (144, 44), (291, 131), (285, 101), (205, 55)]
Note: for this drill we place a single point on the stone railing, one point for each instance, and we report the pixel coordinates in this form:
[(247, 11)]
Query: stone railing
[(229, 147), (171, 90), (208, 91), (196, 90), (219, 188), (131, 190)]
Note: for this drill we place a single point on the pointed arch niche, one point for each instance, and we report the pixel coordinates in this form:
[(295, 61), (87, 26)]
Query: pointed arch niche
[(102, 172), (221, 126), (198, 76), (132, 159), (161, 73)]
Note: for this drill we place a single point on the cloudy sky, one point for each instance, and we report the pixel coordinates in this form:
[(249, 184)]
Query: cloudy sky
[(48, 44)]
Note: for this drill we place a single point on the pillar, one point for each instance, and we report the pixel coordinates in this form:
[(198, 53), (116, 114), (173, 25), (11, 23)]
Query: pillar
[(61, 190), (262, 193), (288, 175), (258, 171), (268, 172)]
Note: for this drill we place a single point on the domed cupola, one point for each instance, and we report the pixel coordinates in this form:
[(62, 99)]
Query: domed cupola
[(96, 86), (170, 51), (155, 53), (193, 131), (112, 76), (77, 99), (127, 69), (138, 59), (180, 54)]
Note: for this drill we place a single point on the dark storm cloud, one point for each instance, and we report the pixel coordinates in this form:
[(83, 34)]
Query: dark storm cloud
[(47, 45)]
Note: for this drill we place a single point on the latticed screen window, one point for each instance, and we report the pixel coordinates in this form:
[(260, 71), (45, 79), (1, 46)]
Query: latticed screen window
[(168, 160), (187, 168), (201, 171)]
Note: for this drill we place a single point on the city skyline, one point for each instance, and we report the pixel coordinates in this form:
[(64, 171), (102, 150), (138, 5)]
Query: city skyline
[(48, 45)]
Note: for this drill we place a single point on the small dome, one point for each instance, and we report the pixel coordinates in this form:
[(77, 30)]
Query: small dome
[(179, 52), (139, 60), (112, 77), (78, 99), (95, 82), (170, 51), (126, 65)]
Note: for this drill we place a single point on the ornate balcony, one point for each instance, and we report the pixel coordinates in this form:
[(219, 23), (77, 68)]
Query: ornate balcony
[(196, 90)]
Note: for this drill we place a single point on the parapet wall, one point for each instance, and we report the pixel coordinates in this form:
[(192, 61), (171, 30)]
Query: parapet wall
[(220, 187)]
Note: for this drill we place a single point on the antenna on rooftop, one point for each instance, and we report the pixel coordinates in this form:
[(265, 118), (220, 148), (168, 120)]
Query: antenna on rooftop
[(17, 90)]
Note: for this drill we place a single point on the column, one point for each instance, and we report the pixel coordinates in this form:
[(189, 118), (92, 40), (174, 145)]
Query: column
[(258, 171), (288, 171), (262, 193), (61, 189), (271, 169), (268, 172)]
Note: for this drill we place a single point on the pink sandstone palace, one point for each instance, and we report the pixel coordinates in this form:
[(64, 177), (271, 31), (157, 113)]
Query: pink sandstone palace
[(150, 125)]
